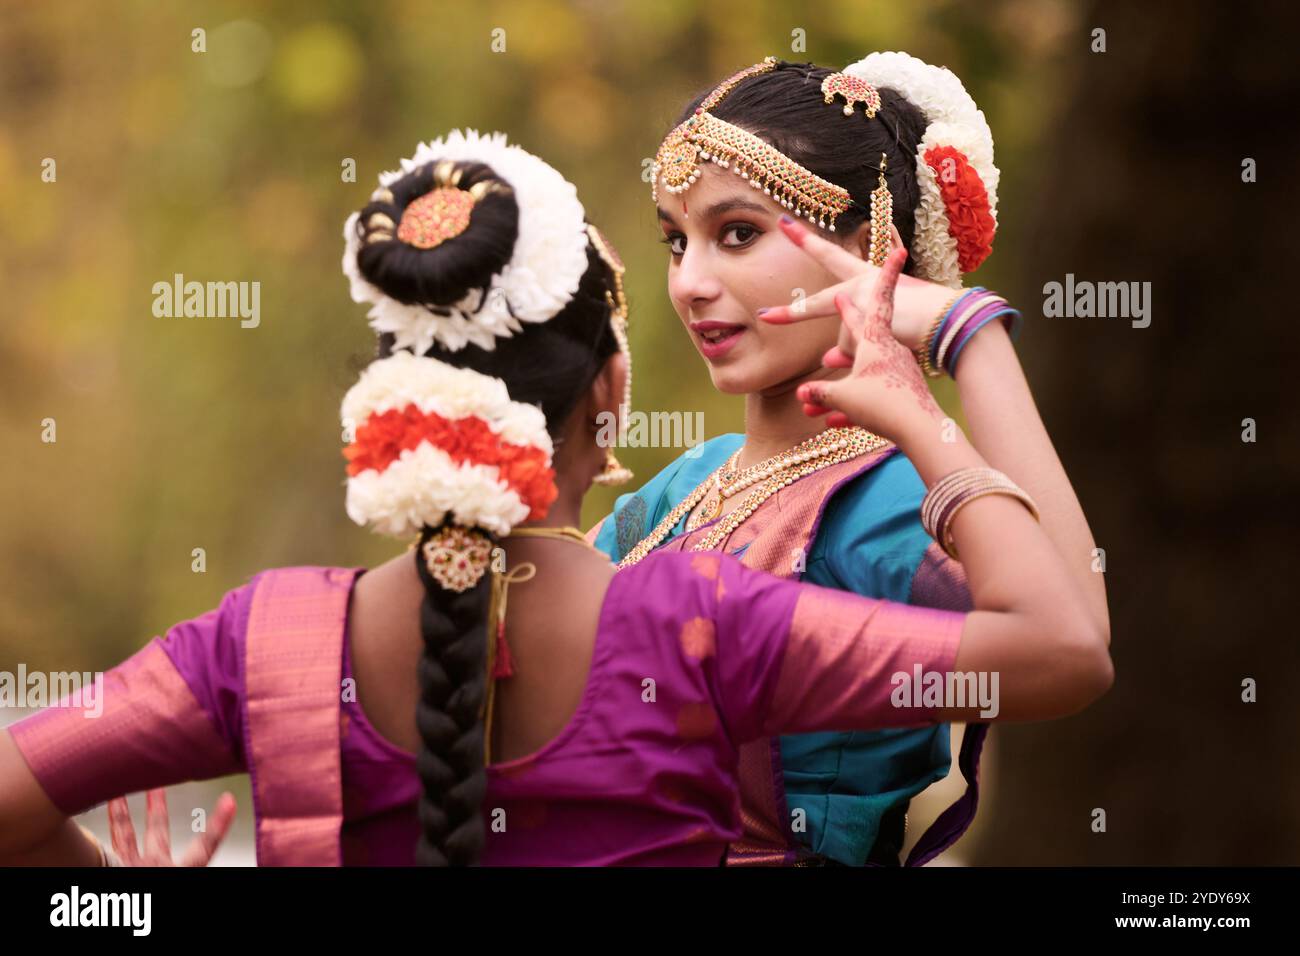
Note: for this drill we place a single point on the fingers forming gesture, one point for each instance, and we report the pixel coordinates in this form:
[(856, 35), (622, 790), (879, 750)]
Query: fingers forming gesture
[(857, 278), (157, 837), (885, 388)]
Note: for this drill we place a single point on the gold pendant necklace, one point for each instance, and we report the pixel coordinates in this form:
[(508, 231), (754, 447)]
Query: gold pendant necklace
[(713, 499), (821, 451), (709, 509), (727, 482)]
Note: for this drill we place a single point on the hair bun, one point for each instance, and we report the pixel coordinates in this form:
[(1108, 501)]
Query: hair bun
[(438, 233), (440, 268)]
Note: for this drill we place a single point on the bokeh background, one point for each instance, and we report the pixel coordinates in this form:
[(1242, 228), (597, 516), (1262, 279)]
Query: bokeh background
[(175, 434)]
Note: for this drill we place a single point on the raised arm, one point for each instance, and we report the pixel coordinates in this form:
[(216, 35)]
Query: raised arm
[(1032, 622), (1002, 418), (33, 831), (1005, 426)]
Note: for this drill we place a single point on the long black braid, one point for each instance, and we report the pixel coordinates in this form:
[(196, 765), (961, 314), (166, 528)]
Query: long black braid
[(550, 364), (452, 687)]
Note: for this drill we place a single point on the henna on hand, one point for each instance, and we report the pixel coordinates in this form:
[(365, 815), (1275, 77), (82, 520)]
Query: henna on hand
[(892, 363)]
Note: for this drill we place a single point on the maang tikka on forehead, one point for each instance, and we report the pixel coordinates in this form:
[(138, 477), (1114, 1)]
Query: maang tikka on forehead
[(704, 137)]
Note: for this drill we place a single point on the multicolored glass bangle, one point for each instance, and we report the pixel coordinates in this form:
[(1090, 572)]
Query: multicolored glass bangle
[(923, 350), (980, 308), (1010, 316), (957, 308), (968, 312), (968, 309)]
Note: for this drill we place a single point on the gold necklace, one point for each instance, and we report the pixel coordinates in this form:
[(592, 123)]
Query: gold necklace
[(858, 443), (712, 506), (824, 442), (568, 532), (728, 482)]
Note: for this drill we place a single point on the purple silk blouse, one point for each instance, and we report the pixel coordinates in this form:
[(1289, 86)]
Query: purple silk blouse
[(694, 654)]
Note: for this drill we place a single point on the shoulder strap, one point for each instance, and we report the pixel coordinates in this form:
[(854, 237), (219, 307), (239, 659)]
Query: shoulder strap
[(293, 666)]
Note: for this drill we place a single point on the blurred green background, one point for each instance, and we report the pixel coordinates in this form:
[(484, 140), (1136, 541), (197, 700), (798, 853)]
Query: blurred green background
[(176, 433)]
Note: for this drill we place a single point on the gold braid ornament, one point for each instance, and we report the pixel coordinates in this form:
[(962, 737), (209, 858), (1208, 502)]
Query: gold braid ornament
[(432, 218)]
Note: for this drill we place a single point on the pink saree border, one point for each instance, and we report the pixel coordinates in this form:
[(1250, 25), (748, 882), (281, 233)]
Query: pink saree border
[(293, 695)]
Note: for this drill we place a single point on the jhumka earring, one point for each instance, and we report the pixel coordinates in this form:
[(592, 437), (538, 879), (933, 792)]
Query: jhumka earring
[(882, 216), (856, 90), (615, 473)]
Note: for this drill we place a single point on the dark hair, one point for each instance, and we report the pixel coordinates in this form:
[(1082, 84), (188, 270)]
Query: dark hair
[(785, 107), (550, 364)]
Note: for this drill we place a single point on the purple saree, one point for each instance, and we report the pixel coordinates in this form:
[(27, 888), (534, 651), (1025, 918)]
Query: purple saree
[(694, 656)]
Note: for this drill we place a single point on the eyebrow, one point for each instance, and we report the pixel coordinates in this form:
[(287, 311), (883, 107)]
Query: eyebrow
[(718, 208)]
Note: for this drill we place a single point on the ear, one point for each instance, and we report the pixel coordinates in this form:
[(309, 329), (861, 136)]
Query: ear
[(606, 392), (858, 242)]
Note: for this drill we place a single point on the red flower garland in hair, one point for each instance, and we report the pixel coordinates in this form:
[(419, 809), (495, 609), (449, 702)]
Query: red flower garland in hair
[(966, 201), (384, 436)]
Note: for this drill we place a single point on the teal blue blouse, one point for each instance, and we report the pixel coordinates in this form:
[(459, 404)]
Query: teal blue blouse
[(870, 542)]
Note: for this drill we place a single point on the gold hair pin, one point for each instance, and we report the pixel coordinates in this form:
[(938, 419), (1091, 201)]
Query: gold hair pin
[(854, 90)]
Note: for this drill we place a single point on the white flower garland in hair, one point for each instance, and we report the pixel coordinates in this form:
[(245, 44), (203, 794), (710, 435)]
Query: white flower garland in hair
[(542, 276), (403, 378), (952, 119), (424, 484)]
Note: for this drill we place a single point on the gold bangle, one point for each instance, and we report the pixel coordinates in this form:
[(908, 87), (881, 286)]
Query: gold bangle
[(923, 352), (1014, 491), (952, 492), (948, 487), (958, 322), (106, 856)]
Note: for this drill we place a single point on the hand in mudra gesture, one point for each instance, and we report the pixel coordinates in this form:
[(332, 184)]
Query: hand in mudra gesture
[(157, 837), (884, 390), (917, 301)]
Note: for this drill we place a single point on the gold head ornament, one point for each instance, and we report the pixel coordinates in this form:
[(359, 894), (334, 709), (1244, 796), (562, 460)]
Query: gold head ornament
[(703, 137)]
